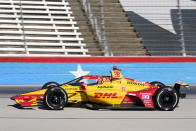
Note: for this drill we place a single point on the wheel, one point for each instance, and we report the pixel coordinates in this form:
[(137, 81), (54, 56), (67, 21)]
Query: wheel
[(55, 98), (49, 84), (158, 84), (165, 99)]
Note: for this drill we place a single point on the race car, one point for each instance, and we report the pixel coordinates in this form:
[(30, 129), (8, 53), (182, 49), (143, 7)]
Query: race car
[(96, 92)]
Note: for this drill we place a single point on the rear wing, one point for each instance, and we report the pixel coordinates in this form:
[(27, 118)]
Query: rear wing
[(179, 86)]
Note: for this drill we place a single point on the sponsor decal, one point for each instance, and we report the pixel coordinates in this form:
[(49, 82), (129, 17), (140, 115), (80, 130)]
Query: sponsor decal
[(41, 97), (105, 95), (123, 88), (136, 82), (139, 82), (145, 97), (104, 79), (145, 93), (71, 88), (105, 86), (147, 101), (131, 94)]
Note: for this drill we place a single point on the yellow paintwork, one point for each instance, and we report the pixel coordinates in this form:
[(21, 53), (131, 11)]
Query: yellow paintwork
[(19, 101), (118, 86), (33, 101), (108, 92), (39, 92)]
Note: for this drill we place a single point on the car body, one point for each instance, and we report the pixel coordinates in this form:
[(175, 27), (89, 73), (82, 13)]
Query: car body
[(104, 91)]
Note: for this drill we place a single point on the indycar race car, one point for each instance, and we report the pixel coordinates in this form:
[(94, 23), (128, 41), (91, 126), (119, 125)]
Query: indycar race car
[(98, 92)]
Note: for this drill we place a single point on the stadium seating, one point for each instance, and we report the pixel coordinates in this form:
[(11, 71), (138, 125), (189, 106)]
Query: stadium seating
[(49, 28), (120, 34), (164, 25), (94, 47), (39, 28)]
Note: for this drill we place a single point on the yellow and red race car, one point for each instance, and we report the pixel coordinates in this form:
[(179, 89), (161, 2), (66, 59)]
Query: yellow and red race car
[(104, 92)]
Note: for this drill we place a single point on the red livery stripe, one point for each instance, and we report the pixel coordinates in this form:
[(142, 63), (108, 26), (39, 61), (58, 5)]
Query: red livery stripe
[(145, 59)]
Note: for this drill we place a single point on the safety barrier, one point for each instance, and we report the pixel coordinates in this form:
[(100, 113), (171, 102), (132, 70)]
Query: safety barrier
[(39, 70)]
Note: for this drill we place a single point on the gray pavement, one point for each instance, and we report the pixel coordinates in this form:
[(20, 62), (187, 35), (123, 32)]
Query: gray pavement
[(81, 119), (14, 119)]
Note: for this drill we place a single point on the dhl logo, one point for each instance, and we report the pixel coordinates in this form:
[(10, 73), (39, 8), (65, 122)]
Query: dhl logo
[(106, 95)]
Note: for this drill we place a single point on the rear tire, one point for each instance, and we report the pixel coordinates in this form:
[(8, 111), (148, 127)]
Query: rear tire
[(160, 84), (49, 85), (166, 99), (55, 98)]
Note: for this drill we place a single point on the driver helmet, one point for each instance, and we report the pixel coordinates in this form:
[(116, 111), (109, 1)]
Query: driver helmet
[(115, 68)]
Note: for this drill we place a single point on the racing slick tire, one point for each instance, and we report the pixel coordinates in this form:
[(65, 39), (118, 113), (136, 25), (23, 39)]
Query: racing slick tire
[(49, 84), (55, 98), (166, 99), (160, 84)]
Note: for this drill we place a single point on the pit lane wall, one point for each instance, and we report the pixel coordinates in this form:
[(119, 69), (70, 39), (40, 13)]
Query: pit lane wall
[(39, 70)]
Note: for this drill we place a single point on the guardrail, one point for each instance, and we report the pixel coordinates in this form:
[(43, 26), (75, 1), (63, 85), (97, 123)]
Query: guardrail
[(39, 70)]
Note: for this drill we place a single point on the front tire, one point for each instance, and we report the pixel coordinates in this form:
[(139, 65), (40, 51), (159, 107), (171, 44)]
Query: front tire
[(166, 99), (49, 85), (55, 98)]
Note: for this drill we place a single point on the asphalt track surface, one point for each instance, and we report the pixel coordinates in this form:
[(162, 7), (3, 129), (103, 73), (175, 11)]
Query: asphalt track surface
[(13, 118)]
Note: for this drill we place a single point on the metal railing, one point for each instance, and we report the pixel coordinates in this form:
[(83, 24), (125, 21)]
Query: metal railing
[(99, 29), (22, 28), (181, 29), (166, 27)]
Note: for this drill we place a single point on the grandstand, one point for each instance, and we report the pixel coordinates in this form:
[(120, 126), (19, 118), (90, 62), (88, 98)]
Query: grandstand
[(114, 34), (39, 28), (97, 27), (167, 27)]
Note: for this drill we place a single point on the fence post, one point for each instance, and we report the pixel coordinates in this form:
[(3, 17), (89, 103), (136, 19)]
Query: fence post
[(107, 50), (100, 31), (181, 29), (22, 25)]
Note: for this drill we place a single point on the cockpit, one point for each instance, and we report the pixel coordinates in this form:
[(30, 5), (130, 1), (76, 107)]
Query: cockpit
[(89, 80)]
